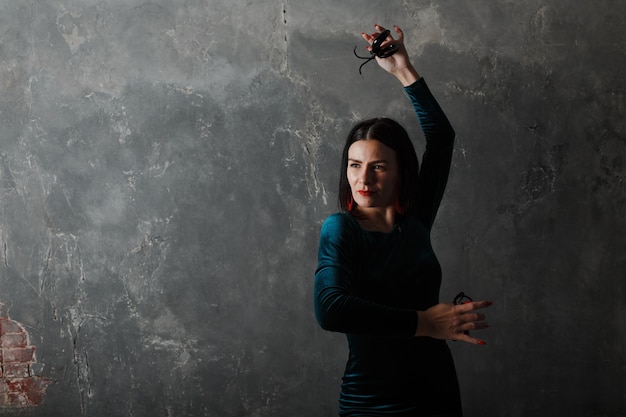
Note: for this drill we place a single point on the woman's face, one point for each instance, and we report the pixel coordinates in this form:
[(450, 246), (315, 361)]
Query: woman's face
[(373, 173)]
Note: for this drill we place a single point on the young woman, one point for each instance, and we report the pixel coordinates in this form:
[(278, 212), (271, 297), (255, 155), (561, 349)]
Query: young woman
[(377, 278)]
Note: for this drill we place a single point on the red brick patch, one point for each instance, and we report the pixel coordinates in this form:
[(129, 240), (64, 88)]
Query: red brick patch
[(26, 392), (26, 354), (13, 340), (19, 388), (9, 326), (16, 370)]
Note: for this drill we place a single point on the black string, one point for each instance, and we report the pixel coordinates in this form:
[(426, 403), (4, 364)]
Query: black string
[(366, 58), (377, 51)]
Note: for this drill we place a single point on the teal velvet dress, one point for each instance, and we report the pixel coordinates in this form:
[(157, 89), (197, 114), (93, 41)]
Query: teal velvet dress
[(369, 286)]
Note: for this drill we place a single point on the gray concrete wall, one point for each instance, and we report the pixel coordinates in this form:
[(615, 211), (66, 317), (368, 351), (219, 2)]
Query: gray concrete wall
[(165, 167)]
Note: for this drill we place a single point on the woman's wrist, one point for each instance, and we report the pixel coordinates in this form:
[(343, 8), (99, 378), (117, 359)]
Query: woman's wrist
[(421, 325), (407, 76)]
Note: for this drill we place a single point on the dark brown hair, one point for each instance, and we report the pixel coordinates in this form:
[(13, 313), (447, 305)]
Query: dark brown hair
[(391, 134)]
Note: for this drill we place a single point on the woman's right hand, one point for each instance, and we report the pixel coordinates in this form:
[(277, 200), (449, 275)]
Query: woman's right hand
[(399, 63), (449, 321)]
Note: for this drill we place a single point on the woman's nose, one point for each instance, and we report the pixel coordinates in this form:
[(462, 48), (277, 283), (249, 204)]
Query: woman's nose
[(365, 176)]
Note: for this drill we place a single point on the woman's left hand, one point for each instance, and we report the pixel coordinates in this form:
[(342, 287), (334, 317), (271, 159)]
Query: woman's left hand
[(452, 322)]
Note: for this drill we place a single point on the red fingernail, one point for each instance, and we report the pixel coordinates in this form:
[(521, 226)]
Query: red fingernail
[(482, 342)]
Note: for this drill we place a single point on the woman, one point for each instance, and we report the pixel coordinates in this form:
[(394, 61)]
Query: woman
[(378, 278)]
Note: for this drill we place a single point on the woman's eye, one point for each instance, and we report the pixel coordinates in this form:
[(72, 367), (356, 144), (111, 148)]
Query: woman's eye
[(354, 165), (379, 167)]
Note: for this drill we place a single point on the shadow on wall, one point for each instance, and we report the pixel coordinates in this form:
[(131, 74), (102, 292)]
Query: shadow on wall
[(19, 387)]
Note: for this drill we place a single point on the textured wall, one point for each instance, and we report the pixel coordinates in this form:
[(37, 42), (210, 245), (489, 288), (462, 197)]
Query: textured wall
[(165, 167)]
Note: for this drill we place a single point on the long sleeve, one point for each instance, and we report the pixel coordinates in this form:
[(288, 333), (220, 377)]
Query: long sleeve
[(358, 270), (370, 285), (336, 306), (437, 157)]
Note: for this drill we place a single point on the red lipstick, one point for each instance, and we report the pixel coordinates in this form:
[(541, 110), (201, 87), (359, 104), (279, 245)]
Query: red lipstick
[(365, 193)]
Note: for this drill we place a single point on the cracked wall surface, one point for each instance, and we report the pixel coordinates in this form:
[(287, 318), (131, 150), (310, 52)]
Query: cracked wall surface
[(165, 167)]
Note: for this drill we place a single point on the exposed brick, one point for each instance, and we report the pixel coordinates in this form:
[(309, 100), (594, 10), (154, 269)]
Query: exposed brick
[(26, 392), (16, 370), (26, 354), (9, 326), (14, 340), (19, 388), (4, 393), (18, 399)]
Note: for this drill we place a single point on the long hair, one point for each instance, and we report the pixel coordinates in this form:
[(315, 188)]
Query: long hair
[(391, 134)]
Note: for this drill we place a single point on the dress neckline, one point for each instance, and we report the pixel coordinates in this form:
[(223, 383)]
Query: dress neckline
[(377, 232)]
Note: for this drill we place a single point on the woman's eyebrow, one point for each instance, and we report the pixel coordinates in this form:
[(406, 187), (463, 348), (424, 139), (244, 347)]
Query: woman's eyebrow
[(378, 161)]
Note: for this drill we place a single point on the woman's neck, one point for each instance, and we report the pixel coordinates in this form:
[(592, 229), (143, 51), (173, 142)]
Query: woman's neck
[(376, 219)]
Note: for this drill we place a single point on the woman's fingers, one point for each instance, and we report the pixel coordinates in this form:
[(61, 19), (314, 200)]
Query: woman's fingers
[(468, 314), (370, 37), (379, 29), (448, 321), (469, 339), (399, 32), (473, 305), (473, 325), (471, 321), (471, 317), (389, 38)]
